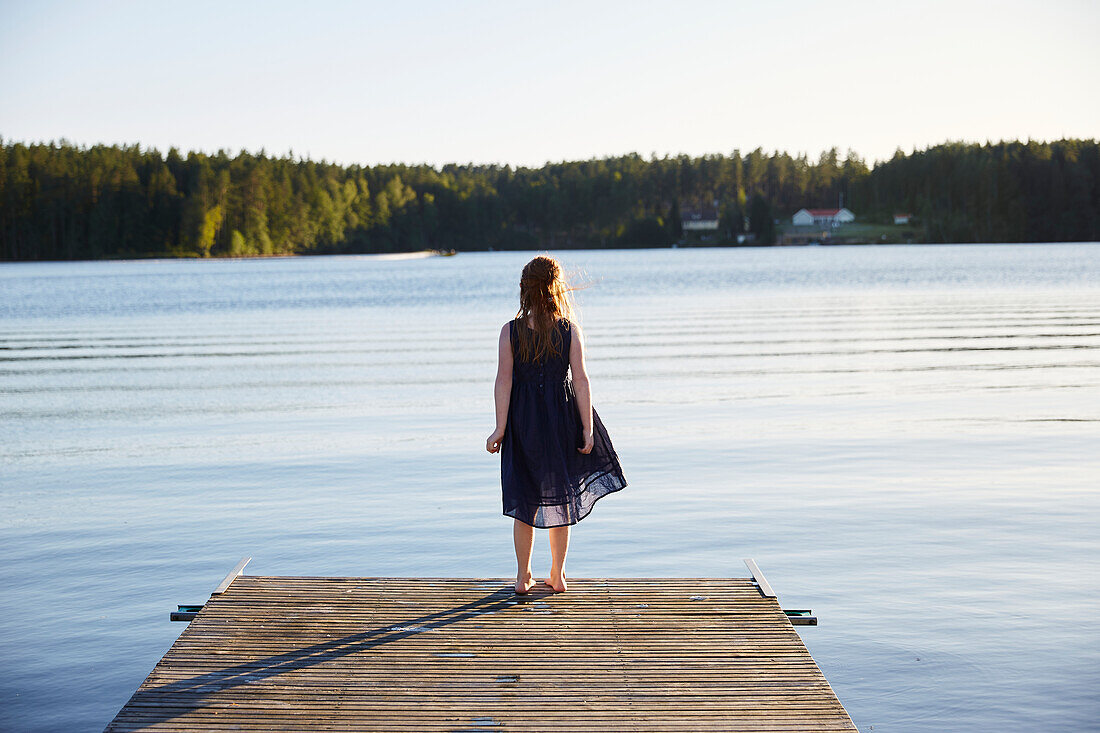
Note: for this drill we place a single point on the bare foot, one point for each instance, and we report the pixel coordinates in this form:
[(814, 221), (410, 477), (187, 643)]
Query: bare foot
[(558, 583), (524, 583)]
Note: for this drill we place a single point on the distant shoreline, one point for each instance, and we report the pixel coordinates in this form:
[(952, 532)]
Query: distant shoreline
[(64, 202)]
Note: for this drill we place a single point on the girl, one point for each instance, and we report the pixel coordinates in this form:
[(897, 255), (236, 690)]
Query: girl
[(556, 458)]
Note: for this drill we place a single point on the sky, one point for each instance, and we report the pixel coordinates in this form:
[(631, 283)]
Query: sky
[(524, 83)]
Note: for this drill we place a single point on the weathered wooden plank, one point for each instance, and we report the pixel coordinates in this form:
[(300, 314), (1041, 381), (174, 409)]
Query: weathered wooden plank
[(765, 587), (228, 579)]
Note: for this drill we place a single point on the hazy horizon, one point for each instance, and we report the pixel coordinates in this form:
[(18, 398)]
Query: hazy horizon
[(499, 84)]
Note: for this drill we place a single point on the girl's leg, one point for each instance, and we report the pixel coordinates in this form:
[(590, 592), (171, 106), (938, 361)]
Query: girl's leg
[(524, 537), (559, 545)]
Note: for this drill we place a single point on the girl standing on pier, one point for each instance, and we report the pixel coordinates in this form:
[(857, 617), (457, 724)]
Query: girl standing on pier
[(556, 459)]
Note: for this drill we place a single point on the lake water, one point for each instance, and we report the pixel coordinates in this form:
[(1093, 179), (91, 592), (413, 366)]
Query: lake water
[(907, 439)]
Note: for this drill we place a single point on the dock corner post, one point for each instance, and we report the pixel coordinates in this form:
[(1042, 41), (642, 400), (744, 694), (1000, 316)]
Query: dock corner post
[(797, 617), (189, 612), (228, 579)]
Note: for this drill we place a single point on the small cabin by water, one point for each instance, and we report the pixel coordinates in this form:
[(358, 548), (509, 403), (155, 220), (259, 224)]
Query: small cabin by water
[(822, 217), (699, 221)]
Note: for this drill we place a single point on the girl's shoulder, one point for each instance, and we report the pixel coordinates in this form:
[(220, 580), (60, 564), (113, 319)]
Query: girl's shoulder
[(571, 327)]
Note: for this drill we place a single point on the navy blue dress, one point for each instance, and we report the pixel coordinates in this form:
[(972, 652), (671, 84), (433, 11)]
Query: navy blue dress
[(545, 481)]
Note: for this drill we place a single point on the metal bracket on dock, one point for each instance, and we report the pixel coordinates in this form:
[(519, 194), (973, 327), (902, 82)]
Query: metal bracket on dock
[(187, 613), (797, 617), (801, 617)]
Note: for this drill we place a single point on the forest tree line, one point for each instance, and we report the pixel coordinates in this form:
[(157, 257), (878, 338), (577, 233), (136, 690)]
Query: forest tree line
[(61, 201)]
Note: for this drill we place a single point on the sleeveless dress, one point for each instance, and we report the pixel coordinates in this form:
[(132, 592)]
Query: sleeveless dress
[(545, 481)]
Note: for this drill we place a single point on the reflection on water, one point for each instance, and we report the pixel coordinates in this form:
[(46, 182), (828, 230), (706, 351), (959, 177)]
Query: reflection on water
[(905, 438)]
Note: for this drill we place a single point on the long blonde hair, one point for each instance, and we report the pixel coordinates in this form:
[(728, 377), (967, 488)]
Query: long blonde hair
[(543, 300)]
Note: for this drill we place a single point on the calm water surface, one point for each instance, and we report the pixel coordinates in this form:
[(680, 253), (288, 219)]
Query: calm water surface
[(907, 439)]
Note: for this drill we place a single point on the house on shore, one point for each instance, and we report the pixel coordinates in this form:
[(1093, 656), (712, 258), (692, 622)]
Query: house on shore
[(699, 225), (902, 218), (822, 217), (699, 221)]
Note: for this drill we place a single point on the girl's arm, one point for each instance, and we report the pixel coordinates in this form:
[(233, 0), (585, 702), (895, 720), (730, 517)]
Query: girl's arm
[(502, 392), (581, 386)]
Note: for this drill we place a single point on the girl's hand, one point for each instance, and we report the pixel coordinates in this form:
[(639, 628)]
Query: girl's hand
[(493, 443), (587, 443)]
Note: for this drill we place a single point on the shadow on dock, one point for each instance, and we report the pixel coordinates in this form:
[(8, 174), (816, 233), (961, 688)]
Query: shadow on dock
[(298, 659)]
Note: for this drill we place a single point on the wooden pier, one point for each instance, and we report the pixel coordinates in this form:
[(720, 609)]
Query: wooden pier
[(467, 654)]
